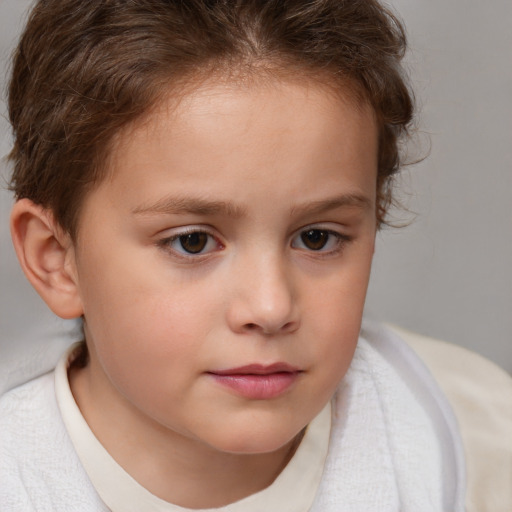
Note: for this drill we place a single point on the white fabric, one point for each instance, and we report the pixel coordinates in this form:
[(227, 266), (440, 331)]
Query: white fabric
[(293, 491), (481, 395), (394, 443), (39, 470)]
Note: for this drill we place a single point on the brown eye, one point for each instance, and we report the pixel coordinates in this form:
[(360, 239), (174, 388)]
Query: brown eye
[(315, 239), (193, 243)]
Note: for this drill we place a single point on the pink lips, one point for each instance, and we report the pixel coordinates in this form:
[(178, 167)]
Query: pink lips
[(256, 381)]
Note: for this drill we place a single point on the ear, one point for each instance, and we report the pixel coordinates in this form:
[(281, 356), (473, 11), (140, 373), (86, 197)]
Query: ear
[(47, 257)]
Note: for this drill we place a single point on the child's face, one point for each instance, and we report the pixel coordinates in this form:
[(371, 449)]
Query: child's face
[(236, 231)]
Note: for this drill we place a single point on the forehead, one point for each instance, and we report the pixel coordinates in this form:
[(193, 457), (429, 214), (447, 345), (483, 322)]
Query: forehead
[(223, 138), (262, 107)]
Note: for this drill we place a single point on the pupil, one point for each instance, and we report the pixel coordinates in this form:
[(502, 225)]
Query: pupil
[(194, 242), (315, 239)]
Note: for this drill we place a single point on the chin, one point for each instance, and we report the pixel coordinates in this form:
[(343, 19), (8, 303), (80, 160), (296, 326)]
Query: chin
[(255, 440)]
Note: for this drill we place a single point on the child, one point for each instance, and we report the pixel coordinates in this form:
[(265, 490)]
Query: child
[(201, 182)]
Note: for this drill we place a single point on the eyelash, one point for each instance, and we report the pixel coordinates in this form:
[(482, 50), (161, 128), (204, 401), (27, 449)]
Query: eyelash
[(166, 243), (339, 243), (340, 240)]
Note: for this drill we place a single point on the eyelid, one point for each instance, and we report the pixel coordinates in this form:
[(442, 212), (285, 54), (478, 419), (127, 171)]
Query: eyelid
[(165, 242), (342, 239)]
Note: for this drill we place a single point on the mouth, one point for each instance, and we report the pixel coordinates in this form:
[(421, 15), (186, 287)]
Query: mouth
[(256, 381)]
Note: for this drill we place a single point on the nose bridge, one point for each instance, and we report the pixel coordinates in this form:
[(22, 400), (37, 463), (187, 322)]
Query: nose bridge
[(265, 298)]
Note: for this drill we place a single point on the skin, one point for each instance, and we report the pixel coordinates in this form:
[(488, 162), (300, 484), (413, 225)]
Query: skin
[(253, 166)]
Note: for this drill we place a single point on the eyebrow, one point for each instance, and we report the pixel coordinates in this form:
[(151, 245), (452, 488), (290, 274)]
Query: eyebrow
[(343, 201), (178, 205)]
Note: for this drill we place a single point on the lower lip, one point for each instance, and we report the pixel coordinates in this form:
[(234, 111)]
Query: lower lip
[(258, 387)]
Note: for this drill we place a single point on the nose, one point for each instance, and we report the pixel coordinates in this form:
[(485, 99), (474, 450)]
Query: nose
[(264, 298)]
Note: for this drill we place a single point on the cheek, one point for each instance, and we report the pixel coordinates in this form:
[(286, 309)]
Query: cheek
[(334, 314), (336, 331), (138, 325), (149, 326), (149, 351), (339, 296)]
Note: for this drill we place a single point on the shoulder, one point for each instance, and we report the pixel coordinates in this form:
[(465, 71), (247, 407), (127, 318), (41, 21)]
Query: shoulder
[(392, 431), (39, 469), (26, 406), (26, 413), (480, 394)]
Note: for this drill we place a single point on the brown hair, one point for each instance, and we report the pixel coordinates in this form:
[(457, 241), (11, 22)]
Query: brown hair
[(86, 68)]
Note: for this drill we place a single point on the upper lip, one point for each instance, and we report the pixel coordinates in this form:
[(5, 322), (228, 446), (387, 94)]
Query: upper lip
[(258, 369)]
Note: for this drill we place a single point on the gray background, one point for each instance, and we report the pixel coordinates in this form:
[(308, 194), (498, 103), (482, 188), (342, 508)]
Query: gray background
[(447, 274)]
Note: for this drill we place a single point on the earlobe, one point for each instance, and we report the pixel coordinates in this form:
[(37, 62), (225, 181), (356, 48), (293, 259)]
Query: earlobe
[(46, 255)]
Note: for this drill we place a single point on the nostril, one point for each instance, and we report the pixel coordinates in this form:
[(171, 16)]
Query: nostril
[(288, 326), (270, 330)]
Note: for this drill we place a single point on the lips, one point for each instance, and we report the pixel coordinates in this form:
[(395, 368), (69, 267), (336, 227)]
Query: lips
[(256, 381)]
